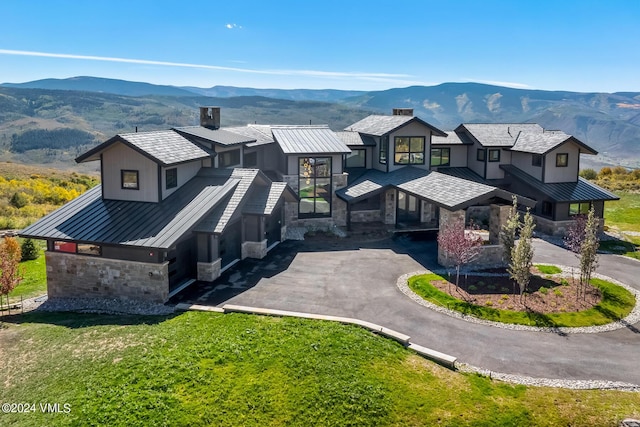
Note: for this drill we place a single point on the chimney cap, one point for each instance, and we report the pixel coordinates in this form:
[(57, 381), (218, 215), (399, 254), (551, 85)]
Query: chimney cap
[(403, 111)]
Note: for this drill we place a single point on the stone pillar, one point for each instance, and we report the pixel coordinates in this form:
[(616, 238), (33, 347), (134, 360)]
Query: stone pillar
[(497, 217), (254, 249), (209, 271), (339, 206), (447, 217), (390, 207)]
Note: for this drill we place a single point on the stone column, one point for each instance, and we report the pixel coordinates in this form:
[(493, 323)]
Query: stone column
[(497, 217), (389, 216)]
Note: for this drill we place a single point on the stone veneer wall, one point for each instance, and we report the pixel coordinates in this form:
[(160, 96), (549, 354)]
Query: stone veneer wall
[(373, 215), (256, 250), (389, 213), (209, 271), (80, 276), (428, 212), (497, 217), (558, 228)]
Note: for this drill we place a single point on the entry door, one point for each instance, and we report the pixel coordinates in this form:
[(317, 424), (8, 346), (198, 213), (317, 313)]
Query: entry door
[(408, 208)]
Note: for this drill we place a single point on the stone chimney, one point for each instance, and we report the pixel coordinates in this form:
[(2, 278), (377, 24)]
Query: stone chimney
[(403, 112), (210, 117)]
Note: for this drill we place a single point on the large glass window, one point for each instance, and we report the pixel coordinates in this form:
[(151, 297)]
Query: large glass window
[(171, 178), (409, 150), (314, 186), (579, 208), (494, 155), (440, 156), (129, 179), (357, 158), (229, 158), (384, 149), (536, 160)]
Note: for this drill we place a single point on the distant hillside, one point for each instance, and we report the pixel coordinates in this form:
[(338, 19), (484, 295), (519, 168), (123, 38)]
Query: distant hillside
[(97, 84), (608, 122), (55, 126)]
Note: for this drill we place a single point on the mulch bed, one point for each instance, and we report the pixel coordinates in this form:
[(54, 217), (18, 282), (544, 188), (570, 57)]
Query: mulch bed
[(547, 293)]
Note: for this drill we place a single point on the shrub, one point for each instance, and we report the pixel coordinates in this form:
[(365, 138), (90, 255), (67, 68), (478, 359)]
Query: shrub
[(505, 290), (491, 287), (606, 171), (473, 288), (544, 290), (558, 293), (19, 200), (619, 170), (29, 250), (488, 303), (588, 174)]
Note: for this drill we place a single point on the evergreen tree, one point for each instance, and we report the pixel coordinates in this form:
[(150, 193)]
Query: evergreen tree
[(29, 250)]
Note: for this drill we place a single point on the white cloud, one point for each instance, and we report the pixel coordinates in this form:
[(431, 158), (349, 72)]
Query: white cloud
[(233, 26), (379, 77)]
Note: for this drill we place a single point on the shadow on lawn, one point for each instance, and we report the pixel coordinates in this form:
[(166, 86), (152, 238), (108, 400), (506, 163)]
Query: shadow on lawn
[(83, 320)]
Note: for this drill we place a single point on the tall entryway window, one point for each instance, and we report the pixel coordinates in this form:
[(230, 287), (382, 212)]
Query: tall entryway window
[(408, 208), (314, 187)]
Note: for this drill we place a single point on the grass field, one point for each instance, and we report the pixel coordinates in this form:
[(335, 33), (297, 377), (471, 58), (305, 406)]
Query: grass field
[(624, 216), (616, 303), (198, 369)]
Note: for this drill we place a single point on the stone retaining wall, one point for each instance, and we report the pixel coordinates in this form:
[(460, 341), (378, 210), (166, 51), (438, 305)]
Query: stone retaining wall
[(80, 276)]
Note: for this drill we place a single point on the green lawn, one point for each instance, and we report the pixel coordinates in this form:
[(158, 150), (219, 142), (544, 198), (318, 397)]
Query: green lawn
[(616, 303), (548, 269), (198, 369), (623, 214), (34, 282)]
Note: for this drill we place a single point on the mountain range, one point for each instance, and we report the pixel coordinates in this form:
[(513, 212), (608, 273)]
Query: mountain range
[(610, 122)]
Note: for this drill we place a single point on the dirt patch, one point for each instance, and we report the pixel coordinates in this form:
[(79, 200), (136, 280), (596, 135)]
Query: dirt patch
[(546, 293)]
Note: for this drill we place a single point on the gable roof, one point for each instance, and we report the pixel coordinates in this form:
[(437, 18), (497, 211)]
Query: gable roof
[(355, 138), (451, 138), (308, 140), (446, 191), (580, 191), (263, 199), (165, 147), (379, 125), (546, 142), (498, 134), (217, 136), (91, 219)]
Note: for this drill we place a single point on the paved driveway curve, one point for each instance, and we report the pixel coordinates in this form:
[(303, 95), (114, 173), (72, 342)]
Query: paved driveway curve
[(356, 279)]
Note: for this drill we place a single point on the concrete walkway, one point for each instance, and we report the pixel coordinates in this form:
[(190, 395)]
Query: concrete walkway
[(358, 280)]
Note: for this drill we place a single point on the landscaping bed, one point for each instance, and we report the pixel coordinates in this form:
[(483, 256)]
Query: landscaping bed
[(551, 300)]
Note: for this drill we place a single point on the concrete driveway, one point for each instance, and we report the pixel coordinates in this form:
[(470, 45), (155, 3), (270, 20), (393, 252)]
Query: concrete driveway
[(357, 279)]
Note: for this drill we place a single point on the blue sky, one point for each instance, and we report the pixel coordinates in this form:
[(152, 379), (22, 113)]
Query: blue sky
[(585, 46)]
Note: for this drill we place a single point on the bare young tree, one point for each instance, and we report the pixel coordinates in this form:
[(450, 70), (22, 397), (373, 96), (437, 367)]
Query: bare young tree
[(10, 273), (509, 230), (522, 255), (582, 239), (460, 245)]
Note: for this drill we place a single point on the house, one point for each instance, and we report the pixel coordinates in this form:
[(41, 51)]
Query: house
[(185, 204)]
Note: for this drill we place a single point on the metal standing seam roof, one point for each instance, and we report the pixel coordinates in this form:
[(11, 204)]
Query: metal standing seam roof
[(308, 140), (263, 199), (500, 134), (91, 219), (355, 138), (580, 191), (379, 125), (444, 190), (261, 134), (165, 147), (218, 136)]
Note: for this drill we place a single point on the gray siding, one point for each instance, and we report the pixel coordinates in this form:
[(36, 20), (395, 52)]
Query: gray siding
[(564, 174), (523, 162), (120, 157), (493, 168), (186, 171), (472, 162), (458, 155)]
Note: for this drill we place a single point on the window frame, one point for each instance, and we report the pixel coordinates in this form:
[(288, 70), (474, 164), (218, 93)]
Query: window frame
[(173, 182), (579, 211), (493, 151), (559, 164), (440, 149), (410, 154), (123, 172), (313, 177), (535, 157), (383, 150), (481, 155)]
